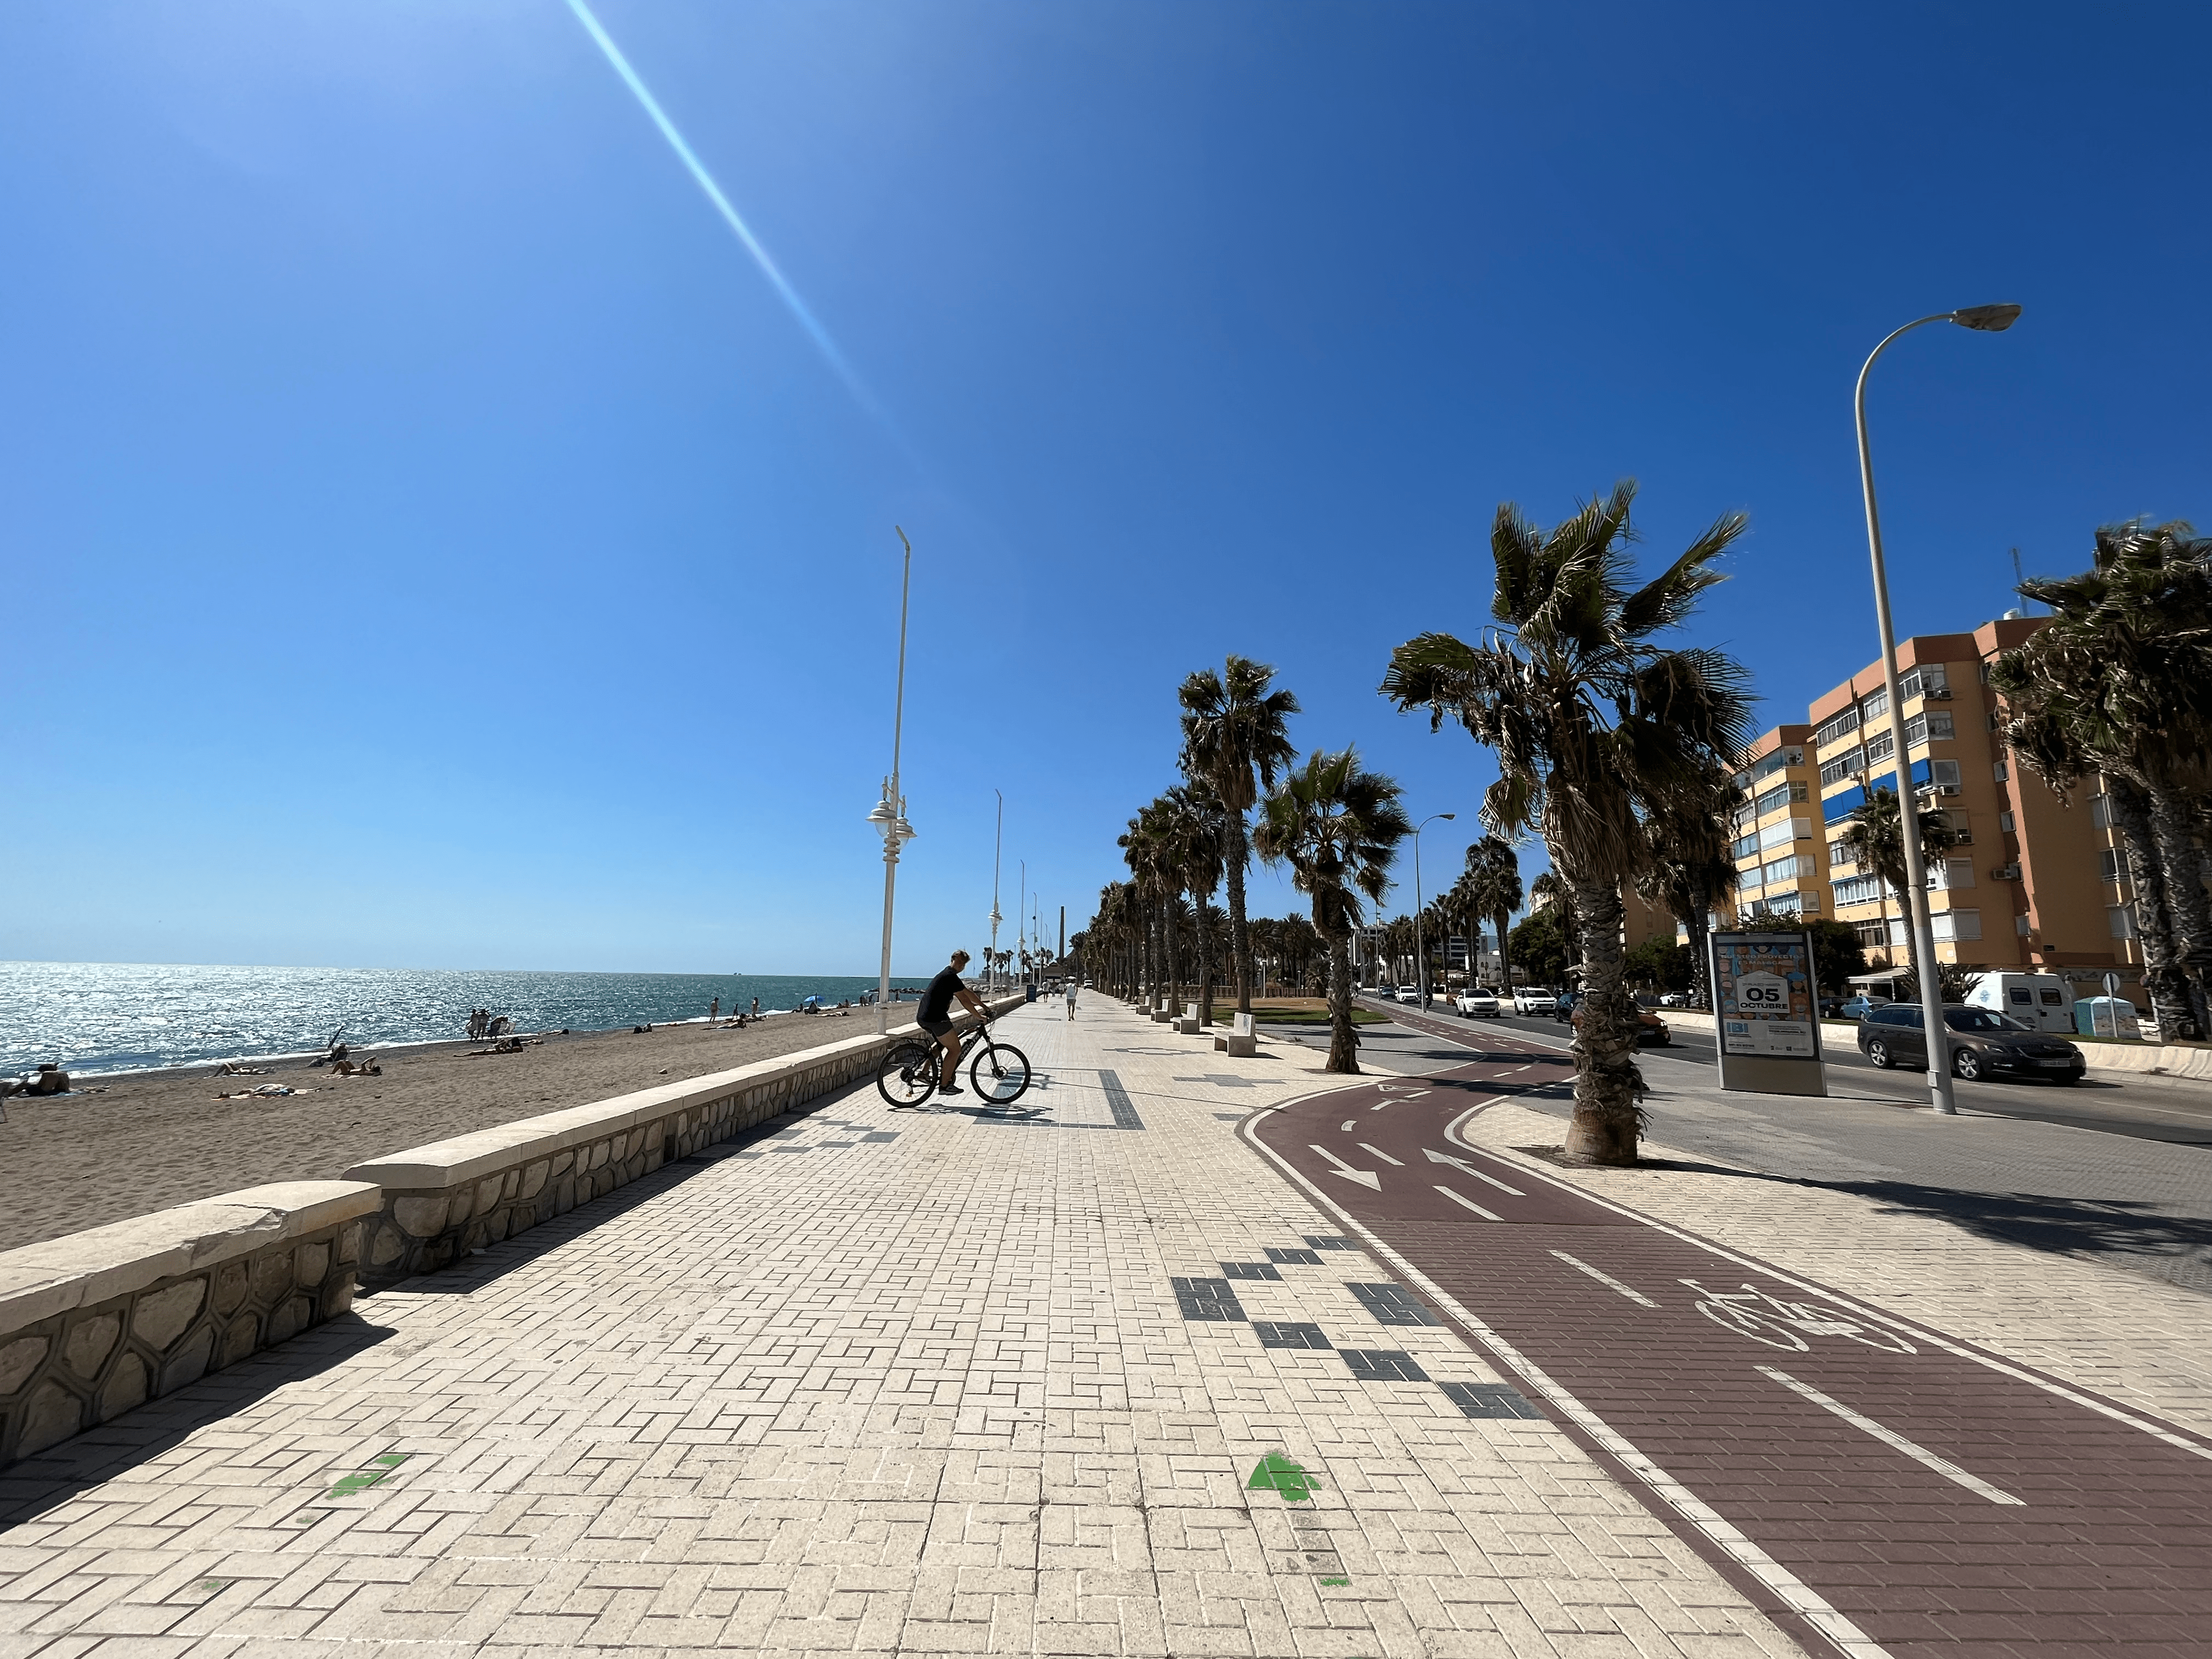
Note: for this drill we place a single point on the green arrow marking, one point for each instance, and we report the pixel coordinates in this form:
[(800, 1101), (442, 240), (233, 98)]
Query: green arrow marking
[(1275, 1473)]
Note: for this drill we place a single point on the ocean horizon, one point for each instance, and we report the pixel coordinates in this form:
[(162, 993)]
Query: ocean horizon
[(102, 1017)]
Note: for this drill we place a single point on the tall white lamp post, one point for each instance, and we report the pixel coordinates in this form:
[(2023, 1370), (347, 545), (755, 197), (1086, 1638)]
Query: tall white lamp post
[(998, 841), (1420, 950), (1988, 319), (889, 813)]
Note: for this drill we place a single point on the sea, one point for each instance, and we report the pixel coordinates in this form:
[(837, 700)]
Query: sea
[(95, 1016)]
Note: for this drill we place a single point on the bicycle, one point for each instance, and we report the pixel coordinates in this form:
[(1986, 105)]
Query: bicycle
[(999, 1072), (1778, 1323)]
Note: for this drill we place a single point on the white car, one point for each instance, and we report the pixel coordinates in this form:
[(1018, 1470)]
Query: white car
[(1478, 1002), (1535, 1000), (1409, 994)]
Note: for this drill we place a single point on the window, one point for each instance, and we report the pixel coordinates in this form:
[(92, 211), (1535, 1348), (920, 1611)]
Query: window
[(1838, 729), (1786, 870), (1922, 727), (1876, 703), (2000, 772), (1957, 925), (1836, 771), (1769, 764), (2100, 812), (2004, 821), (1772, 798), (1880, 747), (2108, 864), (1859, 890), (1944, 774), (2120, 919), (2020, 924), (1947, 873), (1840, 856), (1782, 834), (1932, 681), (1783, 904), (1746, 848), (2050, 998), (1871, 934)]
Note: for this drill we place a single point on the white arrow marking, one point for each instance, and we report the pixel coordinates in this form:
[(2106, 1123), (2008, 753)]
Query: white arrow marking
[(1456, 1199), (1364, 1177), (1468, 1169), (1395, 1163), (1348, 1123)]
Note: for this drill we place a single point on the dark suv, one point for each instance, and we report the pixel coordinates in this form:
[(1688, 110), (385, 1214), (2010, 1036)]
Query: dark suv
[(1983, 1044)]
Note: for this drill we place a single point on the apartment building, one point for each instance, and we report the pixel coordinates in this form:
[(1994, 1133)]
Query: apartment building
[(1779, 852), (2035, 883)]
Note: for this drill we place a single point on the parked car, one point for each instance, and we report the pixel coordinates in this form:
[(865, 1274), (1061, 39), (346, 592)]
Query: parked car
[(1984, 1043), (1478, 1002), (1675, 999), (1860, 1006), (1563, 1005), (1534, 1000), (1650, 1030)]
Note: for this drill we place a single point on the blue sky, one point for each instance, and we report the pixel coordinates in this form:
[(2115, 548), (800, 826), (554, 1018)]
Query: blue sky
[(429, 540)]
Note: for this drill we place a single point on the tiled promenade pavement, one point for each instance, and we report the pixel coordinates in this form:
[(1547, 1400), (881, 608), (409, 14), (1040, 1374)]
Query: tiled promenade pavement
[(879, 1383)]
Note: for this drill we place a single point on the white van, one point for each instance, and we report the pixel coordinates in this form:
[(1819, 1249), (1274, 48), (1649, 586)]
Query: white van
[(2043, 1002)]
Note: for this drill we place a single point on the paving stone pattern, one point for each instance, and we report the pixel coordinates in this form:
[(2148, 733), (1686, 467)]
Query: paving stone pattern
[(822, 1392)]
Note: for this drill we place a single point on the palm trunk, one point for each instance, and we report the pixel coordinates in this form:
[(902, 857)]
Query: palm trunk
[(1607, 1119), (2163, 976), (1168, 930), (1236, 849), (1504, 963), (2173, 828), (1205, 959), (1343, 1036), (1699, 925)]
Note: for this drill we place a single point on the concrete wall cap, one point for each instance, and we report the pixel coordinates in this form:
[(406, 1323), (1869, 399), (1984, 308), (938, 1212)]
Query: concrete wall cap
[(81, 1269)]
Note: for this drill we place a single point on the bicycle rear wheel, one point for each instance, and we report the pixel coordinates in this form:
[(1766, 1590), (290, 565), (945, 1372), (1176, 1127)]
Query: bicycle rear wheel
[(1000, 1073), (908, 1076)]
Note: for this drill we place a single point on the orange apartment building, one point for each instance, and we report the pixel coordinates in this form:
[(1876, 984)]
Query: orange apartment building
[(2037, 883)]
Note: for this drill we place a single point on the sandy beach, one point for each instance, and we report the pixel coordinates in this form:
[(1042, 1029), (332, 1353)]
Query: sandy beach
[(148, 1142)]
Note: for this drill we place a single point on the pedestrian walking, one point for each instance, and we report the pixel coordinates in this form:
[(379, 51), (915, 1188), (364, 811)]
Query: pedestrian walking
[(1071, 998)]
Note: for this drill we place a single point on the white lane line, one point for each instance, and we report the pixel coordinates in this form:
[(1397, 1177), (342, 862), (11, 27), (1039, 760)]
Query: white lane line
[(1378, 1107), (1795, 1593), (1348, 1123), (1385, 1157), (1364, 1177), (1466, 1168), (1580, 1265), (1942, 1465), (1456, 1199)]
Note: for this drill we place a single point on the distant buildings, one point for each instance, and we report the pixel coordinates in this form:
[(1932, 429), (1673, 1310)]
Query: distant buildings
[(2037, 883)]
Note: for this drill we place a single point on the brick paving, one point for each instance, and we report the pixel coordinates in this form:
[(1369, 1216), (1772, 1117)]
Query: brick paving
[(1931, 1500), (876, 1383)]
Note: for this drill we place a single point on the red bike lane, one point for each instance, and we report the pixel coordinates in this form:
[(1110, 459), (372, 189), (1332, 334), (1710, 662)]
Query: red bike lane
[(1879, 1487)]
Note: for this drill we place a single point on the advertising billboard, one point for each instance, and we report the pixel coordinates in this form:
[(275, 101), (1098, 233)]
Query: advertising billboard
[(1767, 1010)]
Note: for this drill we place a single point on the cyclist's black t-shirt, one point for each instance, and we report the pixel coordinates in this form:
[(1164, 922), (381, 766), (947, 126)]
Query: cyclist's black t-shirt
[(936, 1000)]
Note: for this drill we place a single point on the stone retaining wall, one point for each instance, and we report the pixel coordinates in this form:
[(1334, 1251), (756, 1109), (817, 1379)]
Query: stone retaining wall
[(443, 1200), (99, 1321)]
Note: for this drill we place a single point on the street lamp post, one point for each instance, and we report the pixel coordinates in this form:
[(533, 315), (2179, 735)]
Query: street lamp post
[(1420, 950), (1988, 319), (998, 841), (889, 813)]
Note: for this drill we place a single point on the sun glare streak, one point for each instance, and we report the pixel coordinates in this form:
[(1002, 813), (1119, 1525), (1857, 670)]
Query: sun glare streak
[(705, 180)]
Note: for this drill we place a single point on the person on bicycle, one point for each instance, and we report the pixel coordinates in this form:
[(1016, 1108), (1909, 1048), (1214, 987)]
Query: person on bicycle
[(935, 1016)]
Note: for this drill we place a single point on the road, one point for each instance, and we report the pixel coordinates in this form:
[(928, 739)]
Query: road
[(2146, 1108), (1884, 1489)]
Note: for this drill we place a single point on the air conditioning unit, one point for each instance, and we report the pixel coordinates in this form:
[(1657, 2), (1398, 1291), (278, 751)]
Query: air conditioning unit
[(1947, 788), (2005, 872), (1939, 694)]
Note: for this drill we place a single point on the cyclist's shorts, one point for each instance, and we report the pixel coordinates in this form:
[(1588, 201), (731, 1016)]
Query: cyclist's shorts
[(936, 1028)]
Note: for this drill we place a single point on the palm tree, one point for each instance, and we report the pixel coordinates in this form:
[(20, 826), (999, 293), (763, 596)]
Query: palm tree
[(1691, 870), (1594, 725), (1337, 827), (1875, 840), (2120, 681), (1189, 823), (1236, 735), (1549, 892), (1493, 890)]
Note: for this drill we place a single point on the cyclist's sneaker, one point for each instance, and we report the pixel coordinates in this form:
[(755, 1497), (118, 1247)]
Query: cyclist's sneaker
[(952, 1088)]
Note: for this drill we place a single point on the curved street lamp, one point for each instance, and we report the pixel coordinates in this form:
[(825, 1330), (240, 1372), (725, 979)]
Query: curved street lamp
[(1420, 950), (888, 814), (1987, 319)]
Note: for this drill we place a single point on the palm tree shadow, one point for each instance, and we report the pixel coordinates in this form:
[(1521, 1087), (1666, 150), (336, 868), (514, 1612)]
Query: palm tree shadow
[(2079, 1227)]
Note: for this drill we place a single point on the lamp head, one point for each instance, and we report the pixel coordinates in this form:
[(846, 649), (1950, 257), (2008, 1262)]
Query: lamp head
[(881, 814), (1447, 815), (1990, 320)]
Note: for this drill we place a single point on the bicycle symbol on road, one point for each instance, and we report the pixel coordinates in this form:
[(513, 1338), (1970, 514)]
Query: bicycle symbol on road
[(1752, 1312)]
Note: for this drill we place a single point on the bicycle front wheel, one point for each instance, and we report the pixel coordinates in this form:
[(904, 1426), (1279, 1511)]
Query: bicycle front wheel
[(908, 1076), (1000, 1075)]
